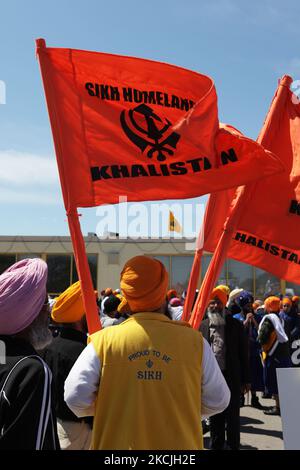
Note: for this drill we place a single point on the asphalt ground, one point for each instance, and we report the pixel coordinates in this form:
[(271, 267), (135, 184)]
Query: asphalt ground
[(258, 431)]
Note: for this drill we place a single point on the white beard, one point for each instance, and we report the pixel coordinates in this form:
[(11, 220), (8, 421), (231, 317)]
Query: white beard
[(215, 319), (40, 338), (39, 334)]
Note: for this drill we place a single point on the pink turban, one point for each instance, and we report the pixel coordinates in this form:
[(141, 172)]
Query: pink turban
[(22, 294)]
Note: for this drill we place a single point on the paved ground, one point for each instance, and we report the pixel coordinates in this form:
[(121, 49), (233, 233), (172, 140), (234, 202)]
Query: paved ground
[(259, 431)]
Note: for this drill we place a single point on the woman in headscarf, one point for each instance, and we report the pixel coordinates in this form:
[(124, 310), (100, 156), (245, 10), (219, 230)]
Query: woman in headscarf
[(275, 349), (289, 320)]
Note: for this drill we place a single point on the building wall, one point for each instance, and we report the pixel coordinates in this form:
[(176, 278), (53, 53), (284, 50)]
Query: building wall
[(111, 254), (107, 258)]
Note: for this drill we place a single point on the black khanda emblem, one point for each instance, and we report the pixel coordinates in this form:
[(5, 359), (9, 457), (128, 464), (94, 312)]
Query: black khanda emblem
[(156, 135)]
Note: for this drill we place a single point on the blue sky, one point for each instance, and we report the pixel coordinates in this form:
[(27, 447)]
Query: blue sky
[(245, 47)]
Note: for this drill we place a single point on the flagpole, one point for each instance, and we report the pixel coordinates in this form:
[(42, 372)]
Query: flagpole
[(84, 274), (195, 274), (82, 265), (219, 256), (242, 195), (193, 283)]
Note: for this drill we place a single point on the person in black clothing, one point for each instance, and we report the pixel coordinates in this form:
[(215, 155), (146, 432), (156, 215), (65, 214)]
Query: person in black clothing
[(251, 321), (27, 415), (110, 315), (231, 305), (295, 305), (68, 311), (229, 343)]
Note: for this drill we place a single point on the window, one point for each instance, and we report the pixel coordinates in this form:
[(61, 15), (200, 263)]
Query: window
[(59, 270), (93, 264), (266, 284), (292, 288), (204, 266), (181, 270), (165, 260), (27, 256), (6, 261), (240, 275)]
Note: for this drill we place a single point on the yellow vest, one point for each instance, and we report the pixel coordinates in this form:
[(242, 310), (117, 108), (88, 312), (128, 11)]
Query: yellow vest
[(150, 386)]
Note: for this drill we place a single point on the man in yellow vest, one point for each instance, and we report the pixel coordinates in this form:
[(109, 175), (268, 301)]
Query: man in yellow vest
[(149, 380)]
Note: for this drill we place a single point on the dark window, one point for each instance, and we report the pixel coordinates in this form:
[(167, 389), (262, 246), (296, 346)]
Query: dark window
[(292, 288), (240, 275), (59, 268), (165, 260), (93, 264), (27, 256), (6, 261), (266, 284), (204, 266), (181, 270)]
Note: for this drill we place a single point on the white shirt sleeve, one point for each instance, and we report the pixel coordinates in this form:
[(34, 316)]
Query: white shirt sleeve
[(215, 394), (82, 383)]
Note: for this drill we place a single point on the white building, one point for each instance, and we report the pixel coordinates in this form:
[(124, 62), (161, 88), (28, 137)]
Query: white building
[(107, 258)]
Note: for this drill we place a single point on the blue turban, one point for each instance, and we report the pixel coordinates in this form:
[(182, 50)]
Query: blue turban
[(244, 298)]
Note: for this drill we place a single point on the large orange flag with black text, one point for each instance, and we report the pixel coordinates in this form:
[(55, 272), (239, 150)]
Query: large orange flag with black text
[(267, 234), (141, 129), (146, 130)]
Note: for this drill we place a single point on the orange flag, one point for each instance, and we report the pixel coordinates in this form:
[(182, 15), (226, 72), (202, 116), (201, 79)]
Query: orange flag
[(131, 127), (266, 233), (128, 126)]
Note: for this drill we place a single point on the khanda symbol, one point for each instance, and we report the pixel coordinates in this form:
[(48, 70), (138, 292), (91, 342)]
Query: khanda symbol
[(148, 131)]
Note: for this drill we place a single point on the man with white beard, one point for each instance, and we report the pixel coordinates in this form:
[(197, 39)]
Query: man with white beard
[(26, 410), (226, 336)]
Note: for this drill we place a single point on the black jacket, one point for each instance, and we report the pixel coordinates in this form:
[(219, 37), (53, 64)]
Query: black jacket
[(27, 416), (60, 357), (237, 371)]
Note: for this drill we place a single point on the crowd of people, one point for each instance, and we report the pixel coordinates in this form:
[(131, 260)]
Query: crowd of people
[(147, 380)]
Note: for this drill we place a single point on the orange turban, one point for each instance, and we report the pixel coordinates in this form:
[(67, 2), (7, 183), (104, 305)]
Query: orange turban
[(123, 307), (220, 294), (286, 300), (144, 283), (108, 291), (171, 294), (272, 304), (224, 289), (68, 307), (295, 299), (256, 304)]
